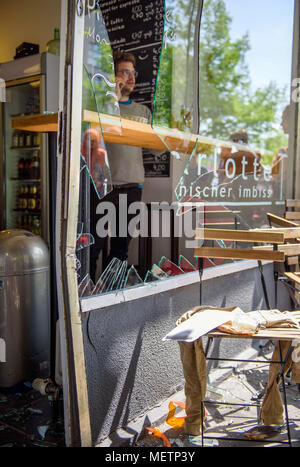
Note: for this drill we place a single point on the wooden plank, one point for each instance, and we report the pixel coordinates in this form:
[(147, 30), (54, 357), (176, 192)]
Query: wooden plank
[(289, 249), (293, 215), (292, 260), (292, 203), (240, 235), (280, 221), (293, 276), (235, 253), (289, 232)]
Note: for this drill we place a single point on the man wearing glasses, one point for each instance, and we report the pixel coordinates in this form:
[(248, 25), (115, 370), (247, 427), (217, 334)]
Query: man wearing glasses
[(126, 166)]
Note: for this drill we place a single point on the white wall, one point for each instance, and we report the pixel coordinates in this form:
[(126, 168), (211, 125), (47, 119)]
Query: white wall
[(26, 21)]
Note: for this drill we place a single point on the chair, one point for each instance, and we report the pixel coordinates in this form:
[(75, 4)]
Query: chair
[(276, 252)]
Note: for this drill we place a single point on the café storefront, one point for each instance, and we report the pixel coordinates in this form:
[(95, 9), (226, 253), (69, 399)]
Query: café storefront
[(202, 171)]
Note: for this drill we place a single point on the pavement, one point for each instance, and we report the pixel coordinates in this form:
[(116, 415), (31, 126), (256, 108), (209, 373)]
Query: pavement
[(28, 419), (226, 424)]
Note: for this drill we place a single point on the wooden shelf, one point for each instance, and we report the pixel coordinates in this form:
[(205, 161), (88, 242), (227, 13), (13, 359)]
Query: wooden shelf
[(43, 123), (132, 133)]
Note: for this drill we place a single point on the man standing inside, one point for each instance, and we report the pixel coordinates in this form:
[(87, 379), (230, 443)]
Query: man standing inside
[(126, 165)]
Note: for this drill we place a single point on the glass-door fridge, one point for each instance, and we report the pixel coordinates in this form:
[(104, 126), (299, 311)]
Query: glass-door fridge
[(26, 165)]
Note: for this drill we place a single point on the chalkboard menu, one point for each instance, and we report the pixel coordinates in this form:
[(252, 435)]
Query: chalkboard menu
[(156, 165), (137, 26)]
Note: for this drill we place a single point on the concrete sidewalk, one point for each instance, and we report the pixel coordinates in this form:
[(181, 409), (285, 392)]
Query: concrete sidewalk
[(234, 384)]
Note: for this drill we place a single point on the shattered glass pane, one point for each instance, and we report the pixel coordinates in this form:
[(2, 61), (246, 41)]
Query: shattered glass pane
[(93, 149), (106, 277), (120, 280), (133, 278), (116, 278), (84, 240), (86, 286), (150, 277), (157, 271), (170, 268), (185, 265)]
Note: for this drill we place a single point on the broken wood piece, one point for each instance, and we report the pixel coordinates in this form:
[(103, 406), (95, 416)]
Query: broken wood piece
[(280, 221), (293, 276)]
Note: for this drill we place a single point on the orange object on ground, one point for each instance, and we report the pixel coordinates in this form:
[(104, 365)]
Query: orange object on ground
[(171, 420), (153, 430)]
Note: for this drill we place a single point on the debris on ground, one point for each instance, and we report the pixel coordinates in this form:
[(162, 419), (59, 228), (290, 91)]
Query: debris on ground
[(28, 418)]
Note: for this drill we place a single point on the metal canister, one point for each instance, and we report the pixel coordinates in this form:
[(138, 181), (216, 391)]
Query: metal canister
[(24, 307)]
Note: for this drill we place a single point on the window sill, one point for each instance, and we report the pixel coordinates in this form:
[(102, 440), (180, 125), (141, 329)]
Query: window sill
[(101, 301)]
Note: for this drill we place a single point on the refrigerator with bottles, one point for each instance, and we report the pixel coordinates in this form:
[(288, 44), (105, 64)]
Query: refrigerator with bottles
[(26, 159)]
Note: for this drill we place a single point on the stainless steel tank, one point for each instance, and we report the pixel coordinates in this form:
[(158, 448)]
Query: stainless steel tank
[(24, 307)]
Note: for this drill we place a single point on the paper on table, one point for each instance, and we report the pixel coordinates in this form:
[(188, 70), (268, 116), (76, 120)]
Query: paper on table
[(198, 325)]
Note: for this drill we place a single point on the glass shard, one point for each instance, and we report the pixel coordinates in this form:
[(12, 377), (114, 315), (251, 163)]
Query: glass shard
[(171, 269), (84, 240), (120, 279), (104, 280), (157, 271), (150, 277), (86, 286), (132, 279), (93, 149), (185, 265)]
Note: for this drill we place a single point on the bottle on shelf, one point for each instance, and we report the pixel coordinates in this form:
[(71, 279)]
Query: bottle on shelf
[(28, 139), (36, 139), (36, 225), (53, 46), (21, 138), (15, 139), (21, 199), (26, 168), (33, 196), (21, 167), (26, 197), (35, 166)]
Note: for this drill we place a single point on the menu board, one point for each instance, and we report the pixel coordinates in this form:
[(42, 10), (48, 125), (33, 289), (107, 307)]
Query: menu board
[(156, 165), (137, 26)]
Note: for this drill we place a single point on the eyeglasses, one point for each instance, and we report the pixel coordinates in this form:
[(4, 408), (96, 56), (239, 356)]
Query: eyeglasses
[(128, 73)]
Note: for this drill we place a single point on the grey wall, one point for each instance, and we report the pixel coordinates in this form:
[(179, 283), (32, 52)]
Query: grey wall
[(130, 369)]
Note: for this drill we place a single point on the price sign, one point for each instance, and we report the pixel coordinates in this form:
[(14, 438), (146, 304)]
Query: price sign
[(156, 165)]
